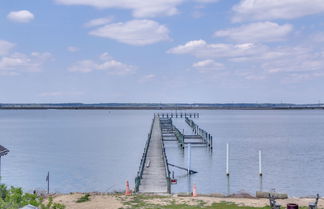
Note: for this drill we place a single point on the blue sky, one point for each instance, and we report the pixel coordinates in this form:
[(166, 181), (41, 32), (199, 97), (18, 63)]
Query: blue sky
[(162, 51)]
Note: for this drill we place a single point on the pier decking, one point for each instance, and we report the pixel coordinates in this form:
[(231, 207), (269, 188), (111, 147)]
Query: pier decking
[(154, 174), (172, 133)]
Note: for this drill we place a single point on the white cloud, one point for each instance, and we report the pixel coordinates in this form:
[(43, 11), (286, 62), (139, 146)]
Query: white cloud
[(72, 49), (15, 63), (257, 32), (98, 21), (297, 77), (105, 63), (147, 78), (22, 16), (5, 47), (201, 49), (208, 65), (256, 61), (293, 59), (135, 32), (276, 9), (19, 62), (290, 59), (140, 8)]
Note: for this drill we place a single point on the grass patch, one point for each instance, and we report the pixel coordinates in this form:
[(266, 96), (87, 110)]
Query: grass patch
[(84, 198), (143, 202)]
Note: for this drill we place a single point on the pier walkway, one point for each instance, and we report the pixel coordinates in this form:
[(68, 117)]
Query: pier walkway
[(154, 174)]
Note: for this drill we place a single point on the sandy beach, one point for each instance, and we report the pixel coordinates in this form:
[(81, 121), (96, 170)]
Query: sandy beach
[(117, 201)]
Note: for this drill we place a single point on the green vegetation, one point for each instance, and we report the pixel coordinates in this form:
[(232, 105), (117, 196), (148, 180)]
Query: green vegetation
[(15, 198), (163, 202), (84, 198)]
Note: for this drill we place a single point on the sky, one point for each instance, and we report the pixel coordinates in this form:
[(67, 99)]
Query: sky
[(204, 51)]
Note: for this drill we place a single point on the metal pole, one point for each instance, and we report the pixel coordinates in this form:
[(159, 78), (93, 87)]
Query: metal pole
[(260, 163), (227, 160), (189, 157)]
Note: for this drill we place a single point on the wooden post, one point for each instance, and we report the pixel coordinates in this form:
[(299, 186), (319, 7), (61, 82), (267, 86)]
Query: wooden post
[(227, 156), (260, 163), (211, 142), (189, 158), (47, 179), (228, 185)]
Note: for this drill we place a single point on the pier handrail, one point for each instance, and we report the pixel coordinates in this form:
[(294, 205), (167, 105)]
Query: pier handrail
[(207, 137), (166, 165), (179, 135), (143, 160)]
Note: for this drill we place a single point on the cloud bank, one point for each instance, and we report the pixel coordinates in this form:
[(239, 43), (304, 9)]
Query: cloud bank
[(134, 32), (22, 16)]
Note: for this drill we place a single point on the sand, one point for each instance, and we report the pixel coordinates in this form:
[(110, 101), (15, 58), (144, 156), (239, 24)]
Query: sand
[(96, 201), (111, 201)]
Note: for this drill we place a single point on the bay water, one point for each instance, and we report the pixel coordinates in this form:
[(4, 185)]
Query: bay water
[(98, 150)]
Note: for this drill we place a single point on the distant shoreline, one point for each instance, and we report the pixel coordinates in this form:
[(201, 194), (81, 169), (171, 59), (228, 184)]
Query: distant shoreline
[(162, 106), (157, 108)]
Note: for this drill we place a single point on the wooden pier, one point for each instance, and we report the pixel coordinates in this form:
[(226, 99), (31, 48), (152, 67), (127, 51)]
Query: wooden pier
[(206, 137), (3, 151), (177, 115), (171, 133), (154, 175)]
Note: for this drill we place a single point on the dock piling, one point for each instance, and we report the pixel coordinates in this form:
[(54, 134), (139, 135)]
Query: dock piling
[(227, 160), (260, 163), (189, 158)]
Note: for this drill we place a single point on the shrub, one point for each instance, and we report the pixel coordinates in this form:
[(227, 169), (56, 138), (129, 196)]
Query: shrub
[(15, 198), (84, 198)]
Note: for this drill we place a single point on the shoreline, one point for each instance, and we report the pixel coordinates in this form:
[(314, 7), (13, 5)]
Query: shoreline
[(117, 201), (161, 109), (164, 106)]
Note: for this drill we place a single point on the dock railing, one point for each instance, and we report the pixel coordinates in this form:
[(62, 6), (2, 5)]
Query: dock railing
[(179, 136), (207, 137), (167, 170), (177, 114), (143, 160)]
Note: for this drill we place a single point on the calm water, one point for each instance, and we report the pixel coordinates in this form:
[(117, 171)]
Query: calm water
[(99, 150)]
